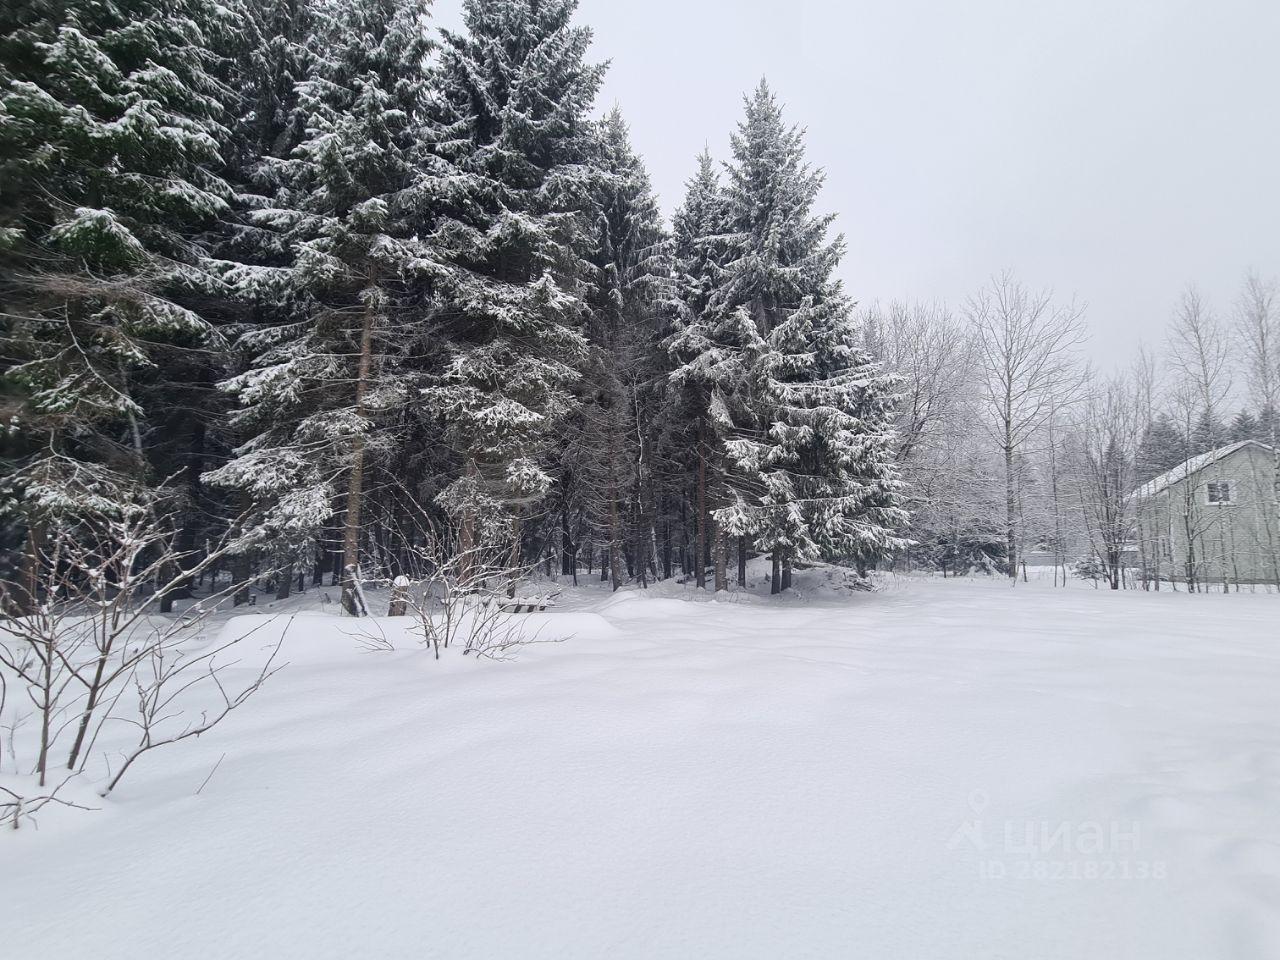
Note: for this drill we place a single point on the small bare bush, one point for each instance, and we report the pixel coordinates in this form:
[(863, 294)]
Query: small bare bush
[(459, 598), (86, 648)]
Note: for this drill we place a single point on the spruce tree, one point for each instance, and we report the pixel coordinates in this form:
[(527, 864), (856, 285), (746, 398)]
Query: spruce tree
[(322, 389), (609, 445), (819, 439), (709, 345), (1163, 446), (111, 129), (275, 498), (1245, 426), (511, 149), (1207, 433)]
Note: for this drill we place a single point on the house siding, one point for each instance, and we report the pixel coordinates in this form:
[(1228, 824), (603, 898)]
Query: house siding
[(1183, 536)]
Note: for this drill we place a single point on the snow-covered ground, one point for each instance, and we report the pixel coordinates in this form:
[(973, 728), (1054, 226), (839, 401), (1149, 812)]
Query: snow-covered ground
[(941, 769)]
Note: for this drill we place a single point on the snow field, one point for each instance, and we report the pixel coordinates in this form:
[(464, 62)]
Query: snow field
[(940, 769)]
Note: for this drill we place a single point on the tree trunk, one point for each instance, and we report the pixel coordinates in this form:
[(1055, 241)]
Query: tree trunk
[(28, 595), (721, 559), (1011, 514), (615, 542), (355, 482), (666, 549), (467, 533), (286, 583), (515, 558), (1191, 550), (399, 597), (352, 597), (568, 552), (742, 561), (684, 534), (90, 705), (786, 573), (242, 577), (189, 534), (317, 573), (700, 548), (775, 581), (46, 711)]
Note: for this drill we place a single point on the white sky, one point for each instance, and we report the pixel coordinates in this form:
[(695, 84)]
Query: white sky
[(1114, 150)]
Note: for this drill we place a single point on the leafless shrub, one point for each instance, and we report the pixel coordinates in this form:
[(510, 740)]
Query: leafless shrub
[(17, 809), (88, 635), (169, 672), (458, 597)]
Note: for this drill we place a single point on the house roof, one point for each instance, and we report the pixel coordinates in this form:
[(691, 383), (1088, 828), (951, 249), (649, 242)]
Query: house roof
[(1197, 463)]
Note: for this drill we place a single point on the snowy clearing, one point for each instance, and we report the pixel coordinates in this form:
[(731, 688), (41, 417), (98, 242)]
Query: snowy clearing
[(940, 769)]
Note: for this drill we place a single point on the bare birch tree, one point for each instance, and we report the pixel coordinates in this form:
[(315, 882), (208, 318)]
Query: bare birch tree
[(1027, 359), (1200, 360), (932, 352), (1199, 357), (1106, 446), (1258, 327), (1145, 372)]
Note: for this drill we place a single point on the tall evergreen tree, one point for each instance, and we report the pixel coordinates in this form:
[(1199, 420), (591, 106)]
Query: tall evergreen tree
[(1163, 446), (609, 455), (1244, 427), (267, 48), (111, 127), (512, 150), (819, 440), (322, 389), (278, 49), (709, 347), (1207, 433)]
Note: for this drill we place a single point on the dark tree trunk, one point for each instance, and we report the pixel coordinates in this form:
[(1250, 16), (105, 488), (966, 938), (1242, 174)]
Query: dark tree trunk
[(399, 605), (568, 550), (684, 534), (27, 597), (352, 601), (355, 481), (702, 546), (317, 572), (721, 559), (286, 583), (242, 577)]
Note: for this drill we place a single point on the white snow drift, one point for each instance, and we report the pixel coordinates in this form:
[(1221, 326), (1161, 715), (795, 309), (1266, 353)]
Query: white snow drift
[(926, 772)]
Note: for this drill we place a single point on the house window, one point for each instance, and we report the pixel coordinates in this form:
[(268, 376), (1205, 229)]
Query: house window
[(1219, 492)]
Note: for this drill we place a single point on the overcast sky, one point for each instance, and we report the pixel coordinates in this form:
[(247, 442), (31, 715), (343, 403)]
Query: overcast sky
[(1114, 150)]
